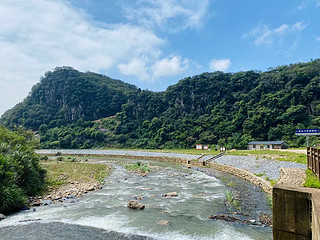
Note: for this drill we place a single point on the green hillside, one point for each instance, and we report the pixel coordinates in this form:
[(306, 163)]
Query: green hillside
[(230, 108)]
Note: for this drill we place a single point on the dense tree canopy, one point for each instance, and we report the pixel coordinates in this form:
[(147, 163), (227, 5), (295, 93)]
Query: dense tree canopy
[(82, 110)]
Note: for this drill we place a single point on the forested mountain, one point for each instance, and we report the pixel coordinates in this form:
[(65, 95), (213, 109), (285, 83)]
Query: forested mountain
[(232, 108), (66, 95)]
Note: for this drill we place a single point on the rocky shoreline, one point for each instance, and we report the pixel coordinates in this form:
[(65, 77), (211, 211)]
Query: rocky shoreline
[(68, 192)]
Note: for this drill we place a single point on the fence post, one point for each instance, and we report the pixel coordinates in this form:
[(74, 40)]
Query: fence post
[(313, 159), (317, 162), (309, 157)]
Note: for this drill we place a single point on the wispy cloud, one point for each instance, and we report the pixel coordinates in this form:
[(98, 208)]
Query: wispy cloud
[(305, 3), (38, 35), (219, 64), (318, 39), (263, 35), (171, 15)]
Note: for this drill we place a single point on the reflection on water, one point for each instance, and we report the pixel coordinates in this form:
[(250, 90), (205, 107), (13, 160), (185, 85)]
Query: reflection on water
[(199, 196)]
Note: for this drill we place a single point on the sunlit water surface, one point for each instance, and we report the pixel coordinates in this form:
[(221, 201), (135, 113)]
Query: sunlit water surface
[(199, 196)]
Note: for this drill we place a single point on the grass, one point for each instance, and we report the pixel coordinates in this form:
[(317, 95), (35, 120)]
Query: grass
[(60, 173), (276, 154), (138, 166), (232, 201), (312, 180), (263, 175), (229, 182)]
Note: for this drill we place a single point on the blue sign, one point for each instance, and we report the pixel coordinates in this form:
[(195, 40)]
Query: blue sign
[(308, 132)]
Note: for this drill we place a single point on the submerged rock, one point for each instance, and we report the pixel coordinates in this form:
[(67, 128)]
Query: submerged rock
[(134, 204), (2, 216), (172, 194), (163, 223)]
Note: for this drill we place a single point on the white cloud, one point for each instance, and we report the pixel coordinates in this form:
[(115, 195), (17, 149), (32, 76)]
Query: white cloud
[(169, 67), (136, 67), (38, 35), (263, 35), (318, 39), (219, 64), (171, 15)]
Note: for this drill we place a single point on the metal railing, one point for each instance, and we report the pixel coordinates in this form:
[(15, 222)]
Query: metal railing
[(313, 160)]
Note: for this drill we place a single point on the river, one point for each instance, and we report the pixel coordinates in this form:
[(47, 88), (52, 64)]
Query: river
[(199, 196)]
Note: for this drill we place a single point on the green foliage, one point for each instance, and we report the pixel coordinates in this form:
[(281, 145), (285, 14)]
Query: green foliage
[(84, 110), (312, 180), (138, 166), (20, 172), (232, 202)]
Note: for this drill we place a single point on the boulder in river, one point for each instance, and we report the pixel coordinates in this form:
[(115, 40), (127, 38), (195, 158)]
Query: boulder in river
[(171, 194), (2, 216), (134, 204)]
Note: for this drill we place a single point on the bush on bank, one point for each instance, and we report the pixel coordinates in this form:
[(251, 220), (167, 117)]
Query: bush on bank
[(20, 171)]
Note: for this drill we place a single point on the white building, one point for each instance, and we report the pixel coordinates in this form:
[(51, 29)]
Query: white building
[(258, 145)]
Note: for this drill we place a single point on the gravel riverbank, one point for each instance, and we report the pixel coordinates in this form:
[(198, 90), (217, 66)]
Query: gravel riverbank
[(269, 167)]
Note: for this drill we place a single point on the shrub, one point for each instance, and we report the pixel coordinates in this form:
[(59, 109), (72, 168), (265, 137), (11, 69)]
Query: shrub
[(20, 171)]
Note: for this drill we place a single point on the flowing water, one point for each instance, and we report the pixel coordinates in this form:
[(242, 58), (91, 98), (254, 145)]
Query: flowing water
[(199, 196)]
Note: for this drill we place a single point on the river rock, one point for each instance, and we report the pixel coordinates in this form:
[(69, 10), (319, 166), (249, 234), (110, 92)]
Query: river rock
[(46, 202), (25, 208), (171, 194), (265, 219), (224, 217), (2, 216), (163, 223), (134, 204), (36, 203)]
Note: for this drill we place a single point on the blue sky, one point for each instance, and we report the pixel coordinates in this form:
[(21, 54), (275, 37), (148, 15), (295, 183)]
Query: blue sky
[(150, 43)]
